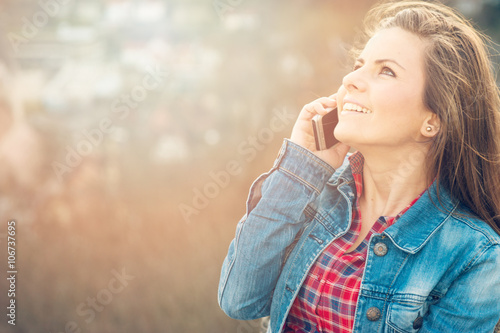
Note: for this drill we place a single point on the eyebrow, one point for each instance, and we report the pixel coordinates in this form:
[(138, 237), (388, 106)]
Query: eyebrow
[(380, 61)]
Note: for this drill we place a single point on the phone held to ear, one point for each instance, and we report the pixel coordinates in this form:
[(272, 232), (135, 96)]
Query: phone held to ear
[(323, 127)]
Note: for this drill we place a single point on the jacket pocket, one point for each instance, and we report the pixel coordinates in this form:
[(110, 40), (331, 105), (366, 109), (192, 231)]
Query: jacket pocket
[(406, 314)]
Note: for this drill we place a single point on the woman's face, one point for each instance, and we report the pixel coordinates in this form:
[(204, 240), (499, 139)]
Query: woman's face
[(380, 103)]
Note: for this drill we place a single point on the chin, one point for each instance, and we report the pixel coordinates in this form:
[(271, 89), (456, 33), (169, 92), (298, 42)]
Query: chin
[(351, 140), (344, 135)]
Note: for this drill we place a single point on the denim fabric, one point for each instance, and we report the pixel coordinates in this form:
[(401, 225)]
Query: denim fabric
[(440, 273)]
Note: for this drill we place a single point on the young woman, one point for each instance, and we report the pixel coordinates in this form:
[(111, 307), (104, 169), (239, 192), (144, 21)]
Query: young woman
[(403, 234)]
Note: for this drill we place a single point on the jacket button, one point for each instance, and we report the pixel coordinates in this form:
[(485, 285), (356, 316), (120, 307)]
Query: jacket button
[(417, 323), (380, 249), (373, 314)]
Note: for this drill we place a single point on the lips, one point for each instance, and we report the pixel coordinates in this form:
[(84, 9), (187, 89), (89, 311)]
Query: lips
[(348, 106)]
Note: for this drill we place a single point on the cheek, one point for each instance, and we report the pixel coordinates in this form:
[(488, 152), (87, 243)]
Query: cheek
[(407, 96)]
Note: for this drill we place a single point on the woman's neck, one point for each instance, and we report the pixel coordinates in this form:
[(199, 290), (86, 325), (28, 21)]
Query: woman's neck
[(391, 180)]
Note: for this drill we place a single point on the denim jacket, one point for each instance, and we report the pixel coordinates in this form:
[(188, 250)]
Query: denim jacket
[(440, 273)]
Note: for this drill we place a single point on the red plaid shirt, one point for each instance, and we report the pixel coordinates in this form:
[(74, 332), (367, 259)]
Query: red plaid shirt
[(327, 300)]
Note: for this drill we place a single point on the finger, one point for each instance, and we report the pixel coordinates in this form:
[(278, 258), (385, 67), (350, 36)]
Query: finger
[(319, 108), (324, 105), (327, 101), (314, 108)]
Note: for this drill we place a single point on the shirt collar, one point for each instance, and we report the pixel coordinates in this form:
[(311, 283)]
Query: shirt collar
[(356, 161)]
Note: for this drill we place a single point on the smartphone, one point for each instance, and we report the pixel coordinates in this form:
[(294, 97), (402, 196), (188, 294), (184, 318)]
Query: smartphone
[(323, 127)]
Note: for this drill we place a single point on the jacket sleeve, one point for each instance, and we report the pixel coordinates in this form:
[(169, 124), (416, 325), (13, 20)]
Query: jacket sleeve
[(472, 302), (276, 212)]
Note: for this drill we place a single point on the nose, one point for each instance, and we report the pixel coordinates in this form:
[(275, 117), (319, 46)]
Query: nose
[(355, 81)]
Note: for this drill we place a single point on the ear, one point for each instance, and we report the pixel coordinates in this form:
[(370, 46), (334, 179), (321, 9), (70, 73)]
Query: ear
[(430, 126)]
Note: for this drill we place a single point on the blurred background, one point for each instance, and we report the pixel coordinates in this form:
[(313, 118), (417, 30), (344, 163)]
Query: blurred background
[(130, 133)]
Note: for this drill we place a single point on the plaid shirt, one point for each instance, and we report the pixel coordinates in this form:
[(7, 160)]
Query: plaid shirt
[(327, 299)]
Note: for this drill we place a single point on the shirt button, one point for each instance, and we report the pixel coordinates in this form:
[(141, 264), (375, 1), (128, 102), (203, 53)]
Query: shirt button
[(373, 314), (380, 249)]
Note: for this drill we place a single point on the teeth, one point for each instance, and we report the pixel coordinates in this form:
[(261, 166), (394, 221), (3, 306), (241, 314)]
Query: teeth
[(355, 107)]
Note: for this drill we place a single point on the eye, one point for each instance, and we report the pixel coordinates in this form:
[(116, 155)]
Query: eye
[(387, 71), (356, 67)]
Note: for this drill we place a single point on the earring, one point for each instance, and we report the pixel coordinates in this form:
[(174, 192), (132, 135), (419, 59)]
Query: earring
[(428, 128)]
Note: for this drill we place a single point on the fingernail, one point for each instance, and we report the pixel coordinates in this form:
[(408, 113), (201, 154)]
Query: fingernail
[(329, 109)]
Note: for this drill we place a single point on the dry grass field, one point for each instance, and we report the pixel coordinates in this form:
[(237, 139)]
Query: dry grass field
[(92, 261)]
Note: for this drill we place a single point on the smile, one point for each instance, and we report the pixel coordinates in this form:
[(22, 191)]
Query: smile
[(355, 107)]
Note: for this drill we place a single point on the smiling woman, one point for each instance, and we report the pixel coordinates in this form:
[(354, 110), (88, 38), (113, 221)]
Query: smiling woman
[(403, 234), (392, 90)]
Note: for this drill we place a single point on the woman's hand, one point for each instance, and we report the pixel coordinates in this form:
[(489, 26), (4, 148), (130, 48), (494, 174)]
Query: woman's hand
[(303, 135)]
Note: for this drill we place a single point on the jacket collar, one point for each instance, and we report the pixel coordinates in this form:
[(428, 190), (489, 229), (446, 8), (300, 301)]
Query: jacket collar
[(414, 228)]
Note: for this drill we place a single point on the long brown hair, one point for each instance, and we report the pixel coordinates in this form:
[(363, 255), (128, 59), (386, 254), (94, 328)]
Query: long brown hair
[(461, 90)]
